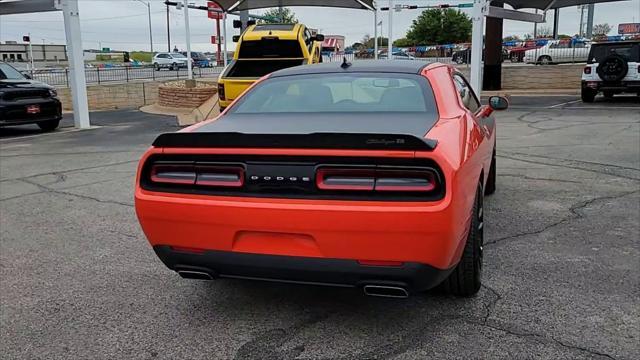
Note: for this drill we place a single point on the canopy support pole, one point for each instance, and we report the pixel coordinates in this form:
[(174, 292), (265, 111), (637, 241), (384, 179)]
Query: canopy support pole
[(390, 39), (375, 33), (476, 45), (76, 64)]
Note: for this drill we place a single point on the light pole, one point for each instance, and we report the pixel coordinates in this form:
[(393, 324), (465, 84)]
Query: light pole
[(148, 5)]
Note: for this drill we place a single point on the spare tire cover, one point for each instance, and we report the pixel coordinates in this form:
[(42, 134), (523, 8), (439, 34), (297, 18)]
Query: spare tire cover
[(613, 68)]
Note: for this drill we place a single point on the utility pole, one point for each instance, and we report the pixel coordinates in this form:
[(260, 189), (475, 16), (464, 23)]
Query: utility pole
[(581, 34), (148, 5), (590, 10), (188, 38), (375, 32), (168, 31), (390, 39)]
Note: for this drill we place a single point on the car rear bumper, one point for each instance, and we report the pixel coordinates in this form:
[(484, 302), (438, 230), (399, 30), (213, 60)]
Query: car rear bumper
[(621, 86), (15, 112), (426, 233), (302, 270)]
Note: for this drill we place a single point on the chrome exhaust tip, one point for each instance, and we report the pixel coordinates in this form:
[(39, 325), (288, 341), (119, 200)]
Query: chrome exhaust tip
[(386, 291), (198, 275)]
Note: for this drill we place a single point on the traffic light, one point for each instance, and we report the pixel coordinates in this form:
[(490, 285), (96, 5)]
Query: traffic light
[(26, 38)]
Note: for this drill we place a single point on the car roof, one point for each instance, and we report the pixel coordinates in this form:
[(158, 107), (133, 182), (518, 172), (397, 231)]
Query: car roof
[(371, 66), (621, 42)]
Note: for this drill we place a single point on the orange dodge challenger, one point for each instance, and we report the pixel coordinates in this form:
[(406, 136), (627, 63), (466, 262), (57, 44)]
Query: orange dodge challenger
[(368, 175)]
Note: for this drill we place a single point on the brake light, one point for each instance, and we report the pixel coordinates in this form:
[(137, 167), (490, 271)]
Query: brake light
[(376, 179), (202, 175), (173, 174), (345, 179), (587, 70), (221, 94), (228, 176)]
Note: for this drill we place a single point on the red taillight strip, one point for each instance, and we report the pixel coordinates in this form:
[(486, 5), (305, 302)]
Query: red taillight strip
[(228, 176), (345, 179), (173, 174), (407, 180), (219, 176)]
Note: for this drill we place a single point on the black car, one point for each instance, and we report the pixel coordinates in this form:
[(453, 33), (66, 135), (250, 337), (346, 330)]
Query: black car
[(25, 101)]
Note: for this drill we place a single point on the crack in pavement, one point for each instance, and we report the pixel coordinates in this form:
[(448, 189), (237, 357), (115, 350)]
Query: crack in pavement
[(565, 166), (540, 338), (575, 161), (542, 179), (70, 170), (86, 197), (574, 215)]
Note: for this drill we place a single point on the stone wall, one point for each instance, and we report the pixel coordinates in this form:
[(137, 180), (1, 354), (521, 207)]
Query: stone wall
[(115, 96), (180, 97), (531, 77)]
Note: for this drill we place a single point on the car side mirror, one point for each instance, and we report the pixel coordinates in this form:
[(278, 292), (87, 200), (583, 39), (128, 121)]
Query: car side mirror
[(236, 38), (498, 103), (318, 37)]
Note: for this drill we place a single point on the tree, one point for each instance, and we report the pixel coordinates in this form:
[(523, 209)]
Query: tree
[(544, 32), (601, 29), (440, 26), (403, 42), (511, 38), (278, 16), (368, 43)]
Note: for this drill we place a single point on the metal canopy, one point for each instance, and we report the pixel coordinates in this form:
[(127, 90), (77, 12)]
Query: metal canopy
[(236, 5), (549, 4)]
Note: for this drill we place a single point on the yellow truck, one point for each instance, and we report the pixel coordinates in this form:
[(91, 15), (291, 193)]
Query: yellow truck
[(263, 49)]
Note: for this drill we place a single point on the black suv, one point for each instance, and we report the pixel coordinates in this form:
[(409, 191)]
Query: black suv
[(612, 68), (25, 101)]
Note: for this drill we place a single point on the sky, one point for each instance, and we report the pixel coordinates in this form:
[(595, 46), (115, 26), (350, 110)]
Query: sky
[(123, 24)]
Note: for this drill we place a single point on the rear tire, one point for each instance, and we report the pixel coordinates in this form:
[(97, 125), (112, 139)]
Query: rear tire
[(588, 95), (490, 188), (465, 280), (49, 125), (156, 67)]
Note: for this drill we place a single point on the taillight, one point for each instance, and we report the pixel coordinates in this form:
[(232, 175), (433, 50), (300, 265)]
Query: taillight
[(221, 94), (376, 179), (587, 70), (228, 176), (173, 174), (196, 174)]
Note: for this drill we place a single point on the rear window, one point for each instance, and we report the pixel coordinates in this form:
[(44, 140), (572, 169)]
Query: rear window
[(270, 48), (259, 68), (629, 51), (339, 93), (275, 27)]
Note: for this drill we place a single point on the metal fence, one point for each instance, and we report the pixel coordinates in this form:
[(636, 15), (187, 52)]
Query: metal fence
[(62, 77)]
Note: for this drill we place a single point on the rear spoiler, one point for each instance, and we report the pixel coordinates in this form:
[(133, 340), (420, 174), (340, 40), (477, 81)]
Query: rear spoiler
[(347, 141)]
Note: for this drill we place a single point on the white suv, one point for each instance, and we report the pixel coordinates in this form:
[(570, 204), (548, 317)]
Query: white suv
[(172, 61), (612, 68)]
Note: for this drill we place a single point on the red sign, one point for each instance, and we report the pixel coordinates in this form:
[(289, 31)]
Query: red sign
[(629, 28), (33, 109), (218, 15), (214, 39)]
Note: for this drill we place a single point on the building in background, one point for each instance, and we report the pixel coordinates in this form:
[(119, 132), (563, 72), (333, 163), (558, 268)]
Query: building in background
[(11, 51), (333, 44)]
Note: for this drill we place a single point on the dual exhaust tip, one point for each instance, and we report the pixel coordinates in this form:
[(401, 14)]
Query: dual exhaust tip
[(386, 291), (369, 290)]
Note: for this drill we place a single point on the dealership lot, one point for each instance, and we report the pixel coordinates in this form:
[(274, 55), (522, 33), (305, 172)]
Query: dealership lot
[(78, 279)]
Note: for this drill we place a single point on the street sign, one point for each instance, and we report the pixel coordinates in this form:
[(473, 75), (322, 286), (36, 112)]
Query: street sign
[(106, 50), (26, 38), (217, 15), (629, 28), (214, 39)]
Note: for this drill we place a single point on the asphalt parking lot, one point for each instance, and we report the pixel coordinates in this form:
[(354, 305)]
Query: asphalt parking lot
[(561, 274)]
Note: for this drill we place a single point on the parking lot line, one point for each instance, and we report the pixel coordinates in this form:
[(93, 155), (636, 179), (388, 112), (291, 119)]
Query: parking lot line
[(61, 131), (564, 103)]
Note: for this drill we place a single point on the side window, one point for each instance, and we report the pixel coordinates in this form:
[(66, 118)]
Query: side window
[(466, 93), (307, 40)]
